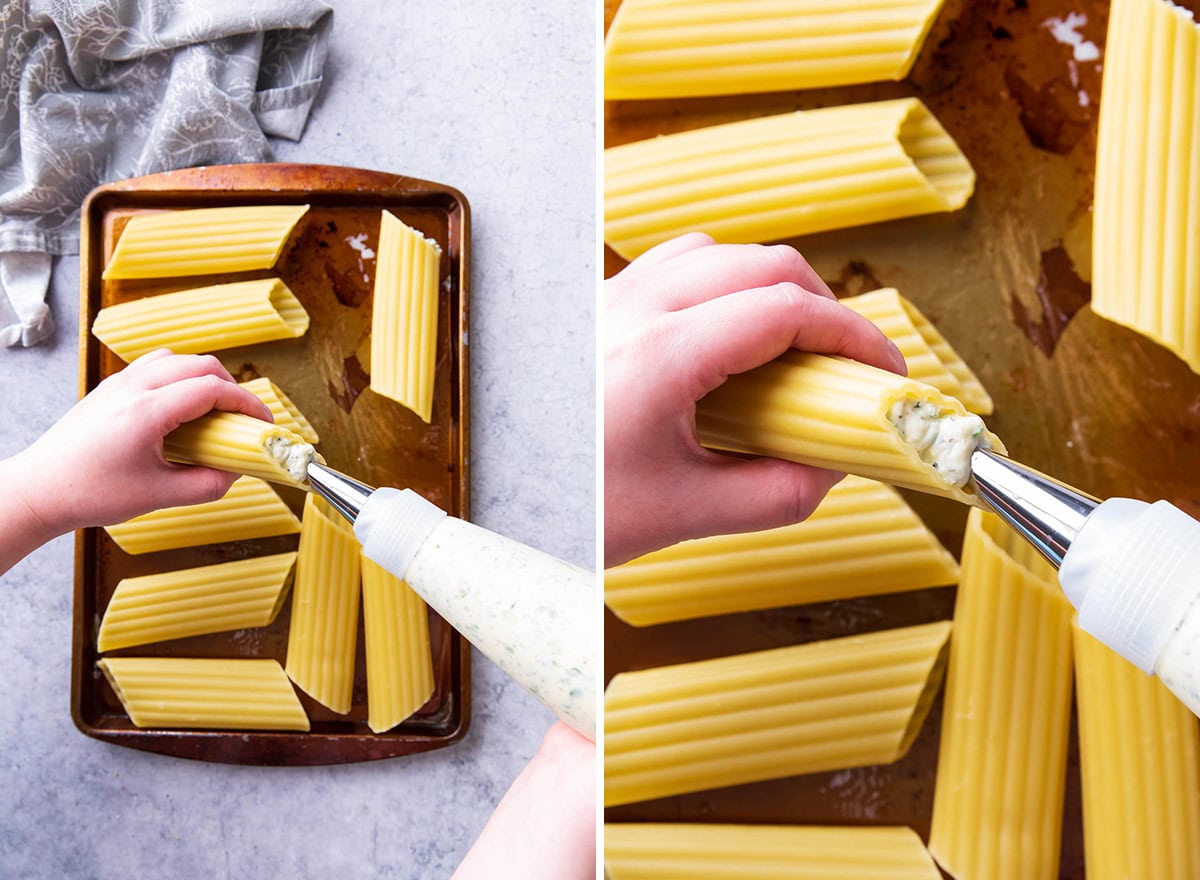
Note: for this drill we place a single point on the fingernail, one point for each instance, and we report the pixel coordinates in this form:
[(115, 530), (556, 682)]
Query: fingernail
[(898, 361)]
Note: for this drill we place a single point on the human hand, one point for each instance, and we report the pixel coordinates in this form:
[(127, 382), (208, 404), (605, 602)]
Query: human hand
[(102, 462), (545, 826), (679, 320)]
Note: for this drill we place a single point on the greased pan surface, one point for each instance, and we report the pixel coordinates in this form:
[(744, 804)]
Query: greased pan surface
[(325, 373)]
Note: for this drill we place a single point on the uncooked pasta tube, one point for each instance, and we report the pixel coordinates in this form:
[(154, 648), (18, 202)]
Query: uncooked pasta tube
[(241, 594), (202, 319), (399, 663), (782, 176), (285, 412), (929, 357), (1145, 263), (205, 693), (324, 627), (1139, 755), (700, 851), (861, 541), (997, 806), (404, 316), (242, 444), (250, 509), (836, 413), (826, 705), (203, 241), (665, 49)]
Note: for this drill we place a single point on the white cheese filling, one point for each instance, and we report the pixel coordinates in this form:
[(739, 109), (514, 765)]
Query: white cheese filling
[(944, 441), (293, 456)]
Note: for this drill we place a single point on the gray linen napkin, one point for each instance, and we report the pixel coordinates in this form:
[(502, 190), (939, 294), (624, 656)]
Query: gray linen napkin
[(100, 90)]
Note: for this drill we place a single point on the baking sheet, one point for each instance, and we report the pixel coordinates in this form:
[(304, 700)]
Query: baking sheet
[(1006, 280), (363, 434)]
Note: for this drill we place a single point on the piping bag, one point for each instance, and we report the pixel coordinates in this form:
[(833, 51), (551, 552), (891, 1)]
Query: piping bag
[(1131, 569), (530, 613)]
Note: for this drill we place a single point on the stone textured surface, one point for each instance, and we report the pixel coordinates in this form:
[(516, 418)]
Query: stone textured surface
[(498, 101)]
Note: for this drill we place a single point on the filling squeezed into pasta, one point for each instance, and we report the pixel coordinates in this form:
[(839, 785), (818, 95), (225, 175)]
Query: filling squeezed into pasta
[(292, 456), (943, 440)]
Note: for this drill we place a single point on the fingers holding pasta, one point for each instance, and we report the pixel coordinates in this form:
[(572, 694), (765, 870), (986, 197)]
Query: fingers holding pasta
[(102, 462), (676, 330), (743, 330), (693, 269)]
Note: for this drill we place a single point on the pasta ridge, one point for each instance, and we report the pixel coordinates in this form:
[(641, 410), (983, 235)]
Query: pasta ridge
[(783, 176), (863, 539), (1007, 705), (721, 47), (826, 705)]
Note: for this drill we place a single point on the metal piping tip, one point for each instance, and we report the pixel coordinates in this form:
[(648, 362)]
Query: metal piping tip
[(1046, 512), (347, 495)]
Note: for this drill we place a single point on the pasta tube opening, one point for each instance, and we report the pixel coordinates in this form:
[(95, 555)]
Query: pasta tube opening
[(941, 438), (291, 454), (289, 309), (936, 156)]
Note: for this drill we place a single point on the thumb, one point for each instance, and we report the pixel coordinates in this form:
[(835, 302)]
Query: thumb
[(762, 493), (192, 484)]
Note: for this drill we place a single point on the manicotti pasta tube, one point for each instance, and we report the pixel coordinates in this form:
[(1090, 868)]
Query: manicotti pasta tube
[(701, 851), (399, 662), (826, 705), (1139, 755), (668, 49), (862, 540), (285, 412), (323, 635), (241, 594), (836, 413), (250, 509), (997, 806), (202, 319), (404, 316), (782, 176), (242, 444), (930, 358), (205, 693), (1145, 263), (203, 241)]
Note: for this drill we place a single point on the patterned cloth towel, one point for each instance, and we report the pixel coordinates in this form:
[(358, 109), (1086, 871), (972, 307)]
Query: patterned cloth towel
[(100, 90)]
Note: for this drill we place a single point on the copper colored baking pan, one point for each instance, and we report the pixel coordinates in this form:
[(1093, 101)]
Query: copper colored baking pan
[(1006, 280), (366, 435)]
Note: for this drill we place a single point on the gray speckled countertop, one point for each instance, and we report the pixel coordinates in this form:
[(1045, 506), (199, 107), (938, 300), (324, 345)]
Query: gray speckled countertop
[(498, 101)]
